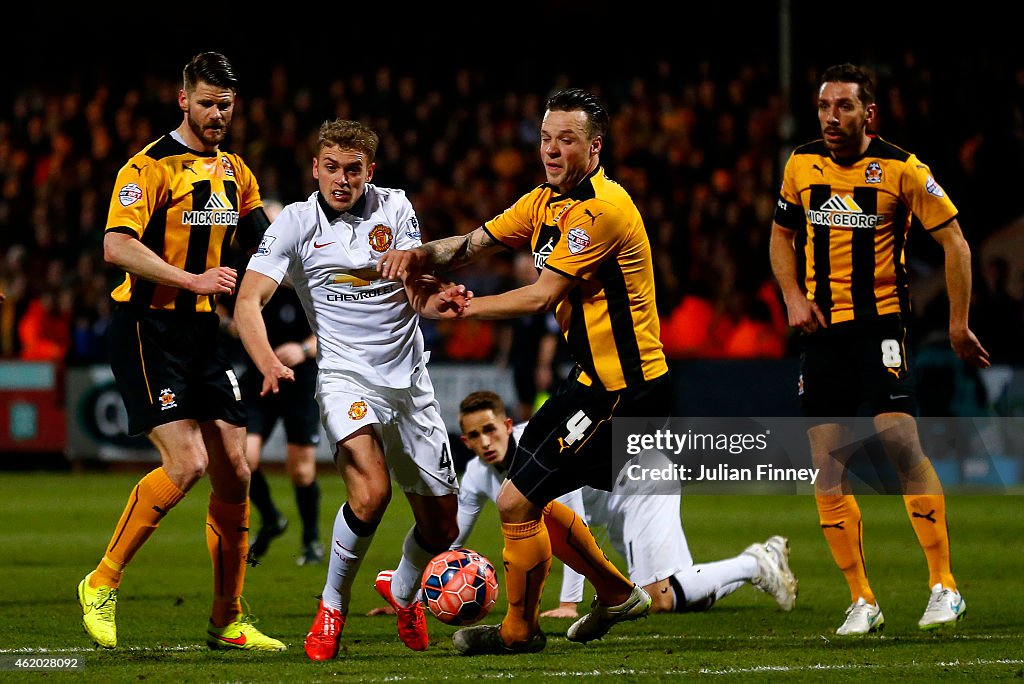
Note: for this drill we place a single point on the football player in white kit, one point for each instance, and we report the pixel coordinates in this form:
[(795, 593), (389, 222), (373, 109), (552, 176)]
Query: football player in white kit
[(376, 400), (644, 527)]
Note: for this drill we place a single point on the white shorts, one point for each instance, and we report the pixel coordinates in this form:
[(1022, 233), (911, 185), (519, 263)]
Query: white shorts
[(644, 528), (649, 535), (407, 422)]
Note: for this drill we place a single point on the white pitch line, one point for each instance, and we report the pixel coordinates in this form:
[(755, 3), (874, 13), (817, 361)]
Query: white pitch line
[(939, 637), (119, 649), (945, 638), (846, 668)]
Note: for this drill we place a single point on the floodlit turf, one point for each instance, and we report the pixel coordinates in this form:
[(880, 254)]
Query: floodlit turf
[(53, 528)]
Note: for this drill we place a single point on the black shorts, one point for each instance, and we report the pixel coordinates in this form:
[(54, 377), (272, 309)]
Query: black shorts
[(857, 368), (169, 366), (568, 442), (295, 404)]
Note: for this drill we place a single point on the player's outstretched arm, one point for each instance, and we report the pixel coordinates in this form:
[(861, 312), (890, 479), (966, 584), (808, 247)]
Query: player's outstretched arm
[(253, 295), (543, 294), (958, 286), (126, 252), (438, 255)]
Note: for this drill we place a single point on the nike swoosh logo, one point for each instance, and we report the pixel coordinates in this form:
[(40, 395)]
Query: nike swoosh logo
[(316, 246), (237, 641)]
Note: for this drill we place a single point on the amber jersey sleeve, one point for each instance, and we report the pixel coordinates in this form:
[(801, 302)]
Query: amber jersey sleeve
[(185, 206), (852, 221), (594, 236)]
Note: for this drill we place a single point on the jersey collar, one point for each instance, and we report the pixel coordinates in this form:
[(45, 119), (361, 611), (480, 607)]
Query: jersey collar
[(173, 135), (332, 214), (868, 152), (584, 190)]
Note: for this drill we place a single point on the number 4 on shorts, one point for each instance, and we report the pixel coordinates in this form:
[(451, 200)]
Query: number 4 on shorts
[(577, 426)]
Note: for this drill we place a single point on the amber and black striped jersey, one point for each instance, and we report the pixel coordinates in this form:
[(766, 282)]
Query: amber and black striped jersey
[(595, 236), (852, 222), (185, 206)]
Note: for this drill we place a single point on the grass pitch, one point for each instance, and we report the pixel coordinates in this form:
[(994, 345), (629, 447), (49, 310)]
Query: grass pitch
[(53, 527)]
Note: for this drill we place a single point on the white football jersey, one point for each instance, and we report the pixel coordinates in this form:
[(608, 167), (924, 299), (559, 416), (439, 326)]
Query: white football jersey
[(364, 324)]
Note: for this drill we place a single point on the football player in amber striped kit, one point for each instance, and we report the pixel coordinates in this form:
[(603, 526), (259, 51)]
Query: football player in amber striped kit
[(838, 253), (176, 205)]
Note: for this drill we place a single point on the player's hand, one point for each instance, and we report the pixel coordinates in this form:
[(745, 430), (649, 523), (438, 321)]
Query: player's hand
[(396, 264), (290, 354), (968, 348), (382, 610), (564, 610), (453, 299), (273, 377), (804, 315), (217, 280)]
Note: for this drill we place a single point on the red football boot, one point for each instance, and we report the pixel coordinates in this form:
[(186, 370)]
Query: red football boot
[(412, 621), (325, 635)]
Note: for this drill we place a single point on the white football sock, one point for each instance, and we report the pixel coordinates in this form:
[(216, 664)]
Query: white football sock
[(406, 580), (706, 582), (347, 551)]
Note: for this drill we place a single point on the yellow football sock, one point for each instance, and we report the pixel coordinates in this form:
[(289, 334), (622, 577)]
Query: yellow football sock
[(574, 544), (928, 516), (527, 556), (840, 520), (148, 503), (926, 507), (227, 538)]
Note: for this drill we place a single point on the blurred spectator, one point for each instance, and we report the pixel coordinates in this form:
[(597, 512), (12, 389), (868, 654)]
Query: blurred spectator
[(44, 331), (696, 143)]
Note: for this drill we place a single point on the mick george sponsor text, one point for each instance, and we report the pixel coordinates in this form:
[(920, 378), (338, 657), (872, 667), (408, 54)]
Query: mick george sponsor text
[(722, 472)]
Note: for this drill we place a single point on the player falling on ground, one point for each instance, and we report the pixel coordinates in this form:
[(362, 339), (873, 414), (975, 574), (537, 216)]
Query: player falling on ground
[(644, 527)]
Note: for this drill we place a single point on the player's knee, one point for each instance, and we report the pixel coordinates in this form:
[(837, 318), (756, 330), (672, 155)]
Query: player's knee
[(513, 506), (369, 503), (301, 471), (186, 472), (187, 463)]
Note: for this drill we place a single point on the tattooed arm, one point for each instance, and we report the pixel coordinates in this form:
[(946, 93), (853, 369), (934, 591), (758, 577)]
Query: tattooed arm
[(441, 255)]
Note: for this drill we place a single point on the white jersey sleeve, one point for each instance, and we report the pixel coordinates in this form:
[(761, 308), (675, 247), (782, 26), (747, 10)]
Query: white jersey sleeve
[(480, 482), (279, 246), (408, 235)]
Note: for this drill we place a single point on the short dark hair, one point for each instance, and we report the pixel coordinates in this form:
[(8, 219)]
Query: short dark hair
[(579, 100), (209, 67), (348, 135), (851, 73), (482, 401)]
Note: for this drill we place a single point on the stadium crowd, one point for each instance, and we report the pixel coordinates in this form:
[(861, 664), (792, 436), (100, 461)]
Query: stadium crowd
[(698, 145)]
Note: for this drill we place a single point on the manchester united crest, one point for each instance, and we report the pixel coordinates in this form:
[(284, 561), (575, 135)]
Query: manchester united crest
[(357, 411), (380, 238)]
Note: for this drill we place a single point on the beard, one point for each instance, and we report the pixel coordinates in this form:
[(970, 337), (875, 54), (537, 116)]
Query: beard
[(211, 136)]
